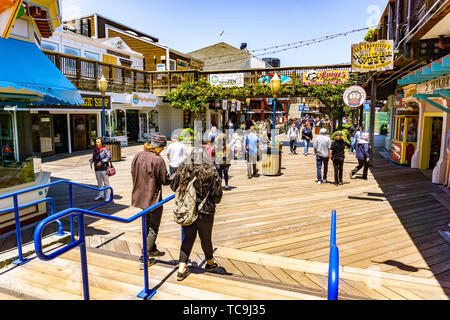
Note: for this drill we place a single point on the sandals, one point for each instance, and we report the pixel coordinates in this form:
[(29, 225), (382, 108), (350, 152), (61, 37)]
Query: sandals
[(182, 276)]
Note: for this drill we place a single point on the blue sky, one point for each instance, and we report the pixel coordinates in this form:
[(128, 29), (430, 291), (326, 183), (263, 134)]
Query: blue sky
[(190, 25)]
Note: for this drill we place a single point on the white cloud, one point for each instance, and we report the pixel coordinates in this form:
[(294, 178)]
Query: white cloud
[(70, 10)]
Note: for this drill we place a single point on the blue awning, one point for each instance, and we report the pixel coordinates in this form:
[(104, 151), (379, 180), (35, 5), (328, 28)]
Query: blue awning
[(25, 69), (432, 71)]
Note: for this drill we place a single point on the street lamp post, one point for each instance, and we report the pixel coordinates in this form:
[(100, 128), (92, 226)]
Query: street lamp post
[(275, 86), (103, 86)]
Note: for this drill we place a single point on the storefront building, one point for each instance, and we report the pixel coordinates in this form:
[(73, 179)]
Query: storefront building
[(432, 94), (27, 79)]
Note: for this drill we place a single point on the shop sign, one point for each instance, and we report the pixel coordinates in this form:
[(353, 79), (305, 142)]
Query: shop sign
[(321, 77), (373, 56), (409, 91), (367, 106), (354, 96), (266, 79), (227, 79), (160, 67), (396, 152), (224, 104), (436, 84), (139, 99), (95, 102)]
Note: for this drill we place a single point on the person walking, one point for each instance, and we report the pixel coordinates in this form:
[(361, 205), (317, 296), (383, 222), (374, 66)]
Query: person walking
[(149, 174), (101, 157), (222, 158), (322, 146), (337, 155), (362, 155), (209, 191), (176, 153), (293, 135), (307, 136), (251, 152), (352, 131)]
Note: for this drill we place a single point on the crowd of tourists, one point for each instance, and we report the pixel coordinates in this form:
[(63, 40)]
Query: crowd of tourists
[(196, 176)]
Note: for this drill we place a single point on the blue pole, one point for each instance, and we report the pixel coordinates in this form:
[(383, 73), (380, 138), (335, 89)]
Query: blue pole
[(333, 274), (20, 260), (333, 229), (274, 120), (146, 293), (71, 216), (83, 257), (103, 117)]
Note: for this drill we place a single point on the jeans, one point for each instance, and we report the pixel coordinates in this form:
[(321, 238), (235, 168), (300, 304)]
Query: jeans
[(203, 225), (102, 181), (293, 146), (362, 163), (338, 169), (306, 147), (153, 220), (352, 141), (319, 161), (223, 173)]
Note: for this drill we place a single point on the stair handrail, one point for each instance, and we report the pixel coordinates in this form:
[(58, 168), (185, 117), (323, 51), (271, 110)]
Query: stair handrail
[(146, 293), (333, 264), (16, 208)]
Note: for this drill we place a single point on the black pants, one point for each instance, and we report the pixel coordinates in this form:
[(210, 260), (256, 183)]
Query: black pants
[(292, 144), (362, 163), (153, 220), (338, 165), (203, 225), (223, 173)]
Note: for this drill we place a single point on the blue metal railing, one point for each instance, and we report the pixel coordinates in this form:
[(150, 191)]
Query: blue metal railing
[(16, 208), (333, 268), (146, 293)]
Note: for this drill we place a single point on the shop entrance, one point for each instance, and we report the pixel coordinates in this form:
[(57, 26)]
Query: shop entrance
[(79, 132), (93, 134), (133, 125), (60, 133), (431, 143)]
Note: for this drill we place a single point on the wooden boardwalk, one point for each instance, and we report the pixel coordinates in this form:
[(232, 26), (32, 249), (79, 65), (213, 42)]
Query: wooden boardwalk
[(277, 228)]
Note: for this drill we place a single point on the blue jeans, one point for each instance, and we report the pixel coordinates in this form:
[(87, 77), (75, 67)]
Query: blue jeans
[(319, 161), (306, 145), (352, 141)]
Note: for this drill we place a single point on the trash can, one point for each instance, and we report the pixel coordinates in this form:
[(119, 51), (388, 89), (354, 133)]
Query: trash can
[(116, 150), (271, 161)]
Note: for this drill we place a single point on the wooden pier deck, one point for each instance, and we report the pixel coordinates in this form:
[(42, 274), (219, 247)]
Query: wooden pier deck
[(276, 230)]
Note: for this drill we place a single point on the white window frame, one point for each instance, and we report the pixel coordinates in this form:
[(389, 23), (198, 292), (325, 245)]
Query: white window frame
[(74, 48), (50, 42), (92, 52)]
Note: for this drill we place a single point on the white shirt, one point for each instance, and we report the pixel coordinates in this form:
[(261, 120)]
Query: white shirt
[(177, 151)]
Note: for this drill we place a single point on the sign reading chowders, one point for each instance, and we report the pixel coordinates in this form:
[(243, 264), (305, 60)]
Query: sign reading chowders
[(227, 79), (321, 77), (373, 56), (354, 96)]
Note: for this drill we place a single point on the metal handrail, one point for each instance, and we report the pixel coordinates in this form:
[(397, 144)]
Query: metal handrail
[(21, 260), (333, 264), (146, 293)]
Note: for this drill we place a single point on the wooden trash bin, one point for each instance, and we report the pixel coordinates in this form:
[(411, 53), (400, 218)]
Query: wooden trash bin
[(115, 148), (271, 162)]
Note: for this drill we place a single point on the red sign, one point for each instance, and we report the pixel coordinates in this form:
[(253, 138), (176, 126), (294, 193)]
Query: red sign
[(396, 152)]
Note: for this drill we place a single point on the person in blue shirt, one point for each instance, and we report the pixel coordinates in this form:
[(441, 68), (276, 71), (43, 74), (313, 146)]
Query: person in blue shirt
[(251, 152)]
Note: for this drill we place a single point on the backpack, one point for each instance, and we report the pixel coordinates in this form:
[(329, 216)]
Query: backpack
[(307, 132), (186, 209)]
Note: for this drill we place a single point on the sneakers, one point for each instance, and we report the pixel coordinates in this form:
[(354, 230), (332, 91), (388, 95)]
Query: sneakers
[(319, 182), (324, 181), (182, 276), (156, 253), (151, 262), (99, 197), (351, 175), (341, 183), (211, 267), (227, 188)]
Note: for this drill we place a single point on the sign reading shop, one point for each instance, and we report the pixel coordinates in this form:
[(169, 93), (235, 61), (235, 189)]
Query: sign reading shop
[(373, 56), (95, 102)]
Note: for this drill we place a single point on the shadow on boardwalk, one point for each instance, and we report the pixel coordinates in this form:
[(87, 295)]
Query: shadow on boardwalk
[(408, 191)]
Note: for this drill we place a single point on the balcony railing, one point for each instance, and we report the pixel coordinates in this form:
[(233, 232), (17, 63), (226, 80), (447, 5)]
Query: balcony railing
[(84, 74)]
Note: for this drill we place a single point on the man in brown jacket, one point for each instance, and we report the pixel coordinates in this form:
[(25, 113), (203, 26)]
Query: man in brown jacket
[(149, 173)]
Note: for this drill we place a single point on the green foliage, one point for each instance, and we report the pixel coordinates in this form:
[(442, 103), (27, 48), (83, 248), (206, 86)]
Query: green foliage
[(369, 35), (186, 134), (345, 134)]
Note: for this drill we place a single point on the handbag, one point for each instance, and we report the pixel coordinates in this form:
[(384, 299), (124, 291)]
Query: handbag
[(110, 171)]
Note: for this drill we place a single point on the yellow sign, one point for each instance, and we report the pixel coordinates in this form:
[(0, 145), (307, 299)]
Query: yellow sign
[(8, 13), (373, 56), (320, 77)]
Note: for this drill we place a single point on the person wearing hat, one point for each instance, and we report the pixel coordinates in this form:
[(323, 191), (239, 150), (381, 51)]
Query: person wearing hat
[(149, 174), (337, 155), (362, 155), (322, 146)]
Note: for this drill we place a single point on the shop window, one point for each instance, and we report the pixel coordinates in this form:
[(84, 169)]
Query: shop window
[(412, 130), (72, 51), (153, 121), (91, 55), (117, 125), (13, 169), (47, 45), (143, 126)]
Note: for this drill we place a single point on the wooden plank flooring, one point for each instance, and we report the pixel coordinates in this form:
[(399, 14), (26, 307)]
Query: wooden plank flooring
[(389, 222)]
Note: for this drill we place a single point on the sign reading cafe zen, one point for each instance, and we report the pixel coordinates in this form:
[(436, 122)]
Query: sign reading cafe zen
[(373, 56), (227, 79)]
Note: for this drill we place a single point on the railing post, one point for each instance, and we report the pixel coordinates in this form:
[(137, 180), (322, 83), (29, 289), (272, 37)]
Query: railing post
[(83, 257), (72, 239), (333, 229), (95, 73), (333, 274), (151, 82), (134, 81), (58, 61), (78, 71), (146, 293), (20, 260)]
